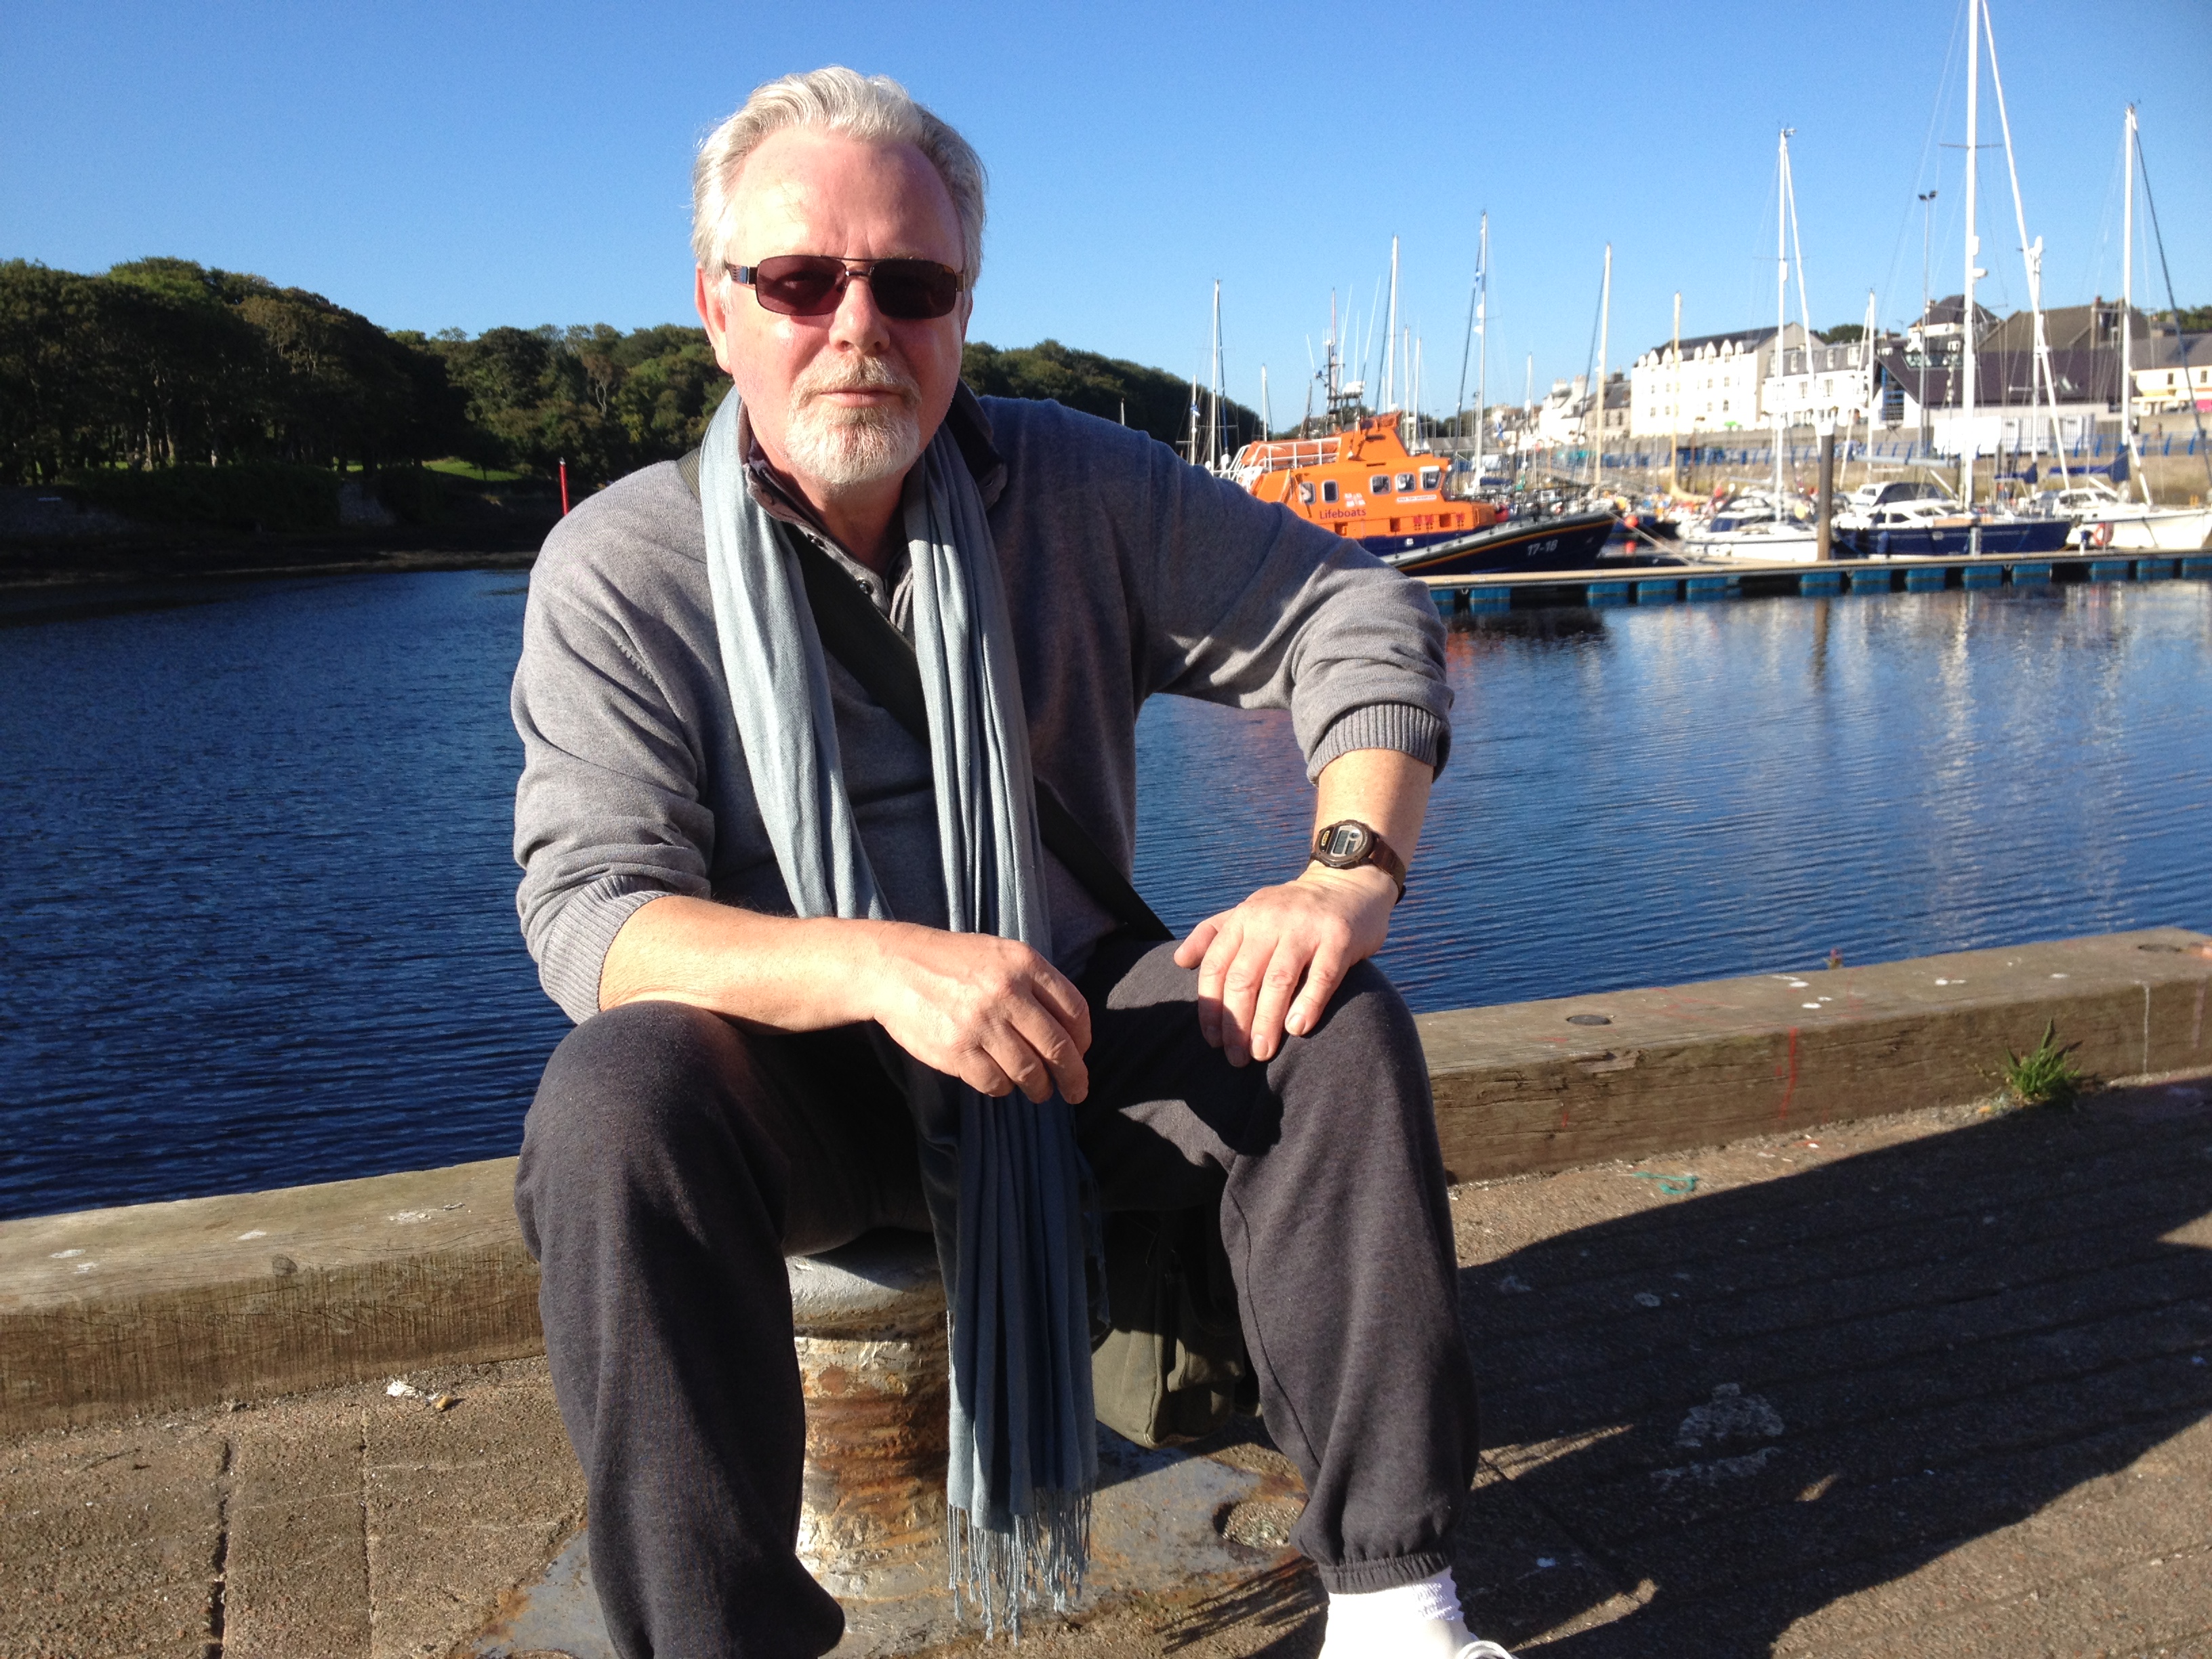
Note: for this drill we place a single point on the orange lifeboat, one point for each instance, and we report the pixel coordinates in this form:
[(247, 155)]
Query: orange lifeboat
[(1362, 482)]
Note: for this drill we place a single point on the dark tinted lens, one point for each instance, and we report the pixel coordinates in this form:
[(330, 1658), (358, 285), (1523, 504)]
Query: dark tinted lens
[(913, 290), (799, 284)]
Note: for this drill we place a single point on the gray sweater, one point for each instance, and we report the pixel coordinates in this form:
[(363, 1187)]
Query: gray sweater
[(1127, 571)]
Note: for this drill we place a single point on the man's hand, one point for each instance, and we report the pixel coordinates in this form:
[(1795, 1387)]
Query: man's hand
[(987, 1011), (990, 1011), (1270, 964)]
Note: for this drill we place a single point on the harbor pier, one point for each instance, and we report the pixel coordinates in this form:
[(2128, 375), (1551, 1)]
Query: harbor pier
[(1786, 1328), (1691, 583)]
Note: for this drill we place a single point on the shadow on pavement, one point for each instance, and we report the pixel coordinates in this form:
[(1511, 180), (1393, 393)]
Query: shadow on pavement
[(1721, 1415)]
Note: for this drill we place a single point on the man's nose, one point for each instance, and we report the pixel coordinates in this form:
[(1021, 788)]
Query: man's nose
[(858, 323)]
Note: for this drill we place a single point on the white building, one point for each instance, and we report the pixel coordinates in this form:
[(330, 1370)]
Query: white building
[(1821, 384), (1920, 378), (1562, 419), (1560, 414), (2178, 374), (1715, 383)]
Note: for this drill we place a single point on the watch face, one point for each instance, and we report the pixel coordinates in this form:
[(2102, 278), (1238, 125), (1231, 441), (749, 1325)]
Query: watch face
[(1343, 844)]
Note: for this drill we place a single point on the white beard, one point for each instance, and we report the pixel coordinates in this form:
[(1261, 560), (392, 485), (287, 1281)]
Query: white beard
[(843, 448)]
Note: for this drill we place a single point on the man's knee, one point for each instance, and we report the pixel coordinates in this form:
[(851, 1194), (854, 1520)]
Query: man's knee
[(646, 1068), (645, 1095), (1368, 1025)]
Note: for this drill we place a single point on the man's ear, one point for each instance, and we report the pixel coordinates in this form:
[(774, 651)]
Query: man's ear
[(711, 299)]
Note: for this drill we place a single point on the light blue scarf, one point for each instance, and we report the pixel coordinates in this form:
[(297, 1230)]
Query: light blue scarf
[(1025, 1451)]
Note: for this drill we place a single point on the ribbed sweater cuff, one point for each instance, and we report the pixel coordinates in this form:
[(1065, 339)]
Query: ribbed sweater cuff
[(576, 950), (1403, 726)]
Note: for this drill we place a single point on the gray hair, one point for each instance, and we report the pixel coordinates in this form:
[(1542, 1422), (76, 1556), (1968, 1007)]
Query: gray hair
[(874, 109)]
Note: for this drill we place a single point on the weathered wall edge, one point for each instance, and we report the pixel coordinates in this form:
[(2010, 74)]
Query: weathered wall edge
[(150, 1306)]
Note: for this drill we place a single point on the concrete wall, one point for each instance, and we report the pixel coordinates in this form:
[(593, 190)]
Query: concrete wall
[(104, 1313)]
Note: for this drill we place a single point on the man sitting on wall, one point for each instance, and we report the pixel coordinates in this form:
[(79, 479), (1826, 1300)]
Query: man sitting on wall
[(830, 973)]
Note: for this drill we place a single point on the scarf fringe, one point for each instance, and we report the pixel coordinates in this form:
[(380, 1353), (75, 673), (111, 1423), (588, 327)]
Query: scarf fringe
[(1039, 1561)]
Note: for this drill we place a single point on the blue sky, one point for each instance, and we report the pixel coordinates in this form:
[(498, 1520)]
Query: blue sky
[(464, 166)]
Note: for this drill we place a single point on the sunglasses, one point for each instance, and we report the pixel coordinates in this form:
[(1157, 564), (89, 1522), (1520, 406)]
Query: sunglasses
[(813, 285)]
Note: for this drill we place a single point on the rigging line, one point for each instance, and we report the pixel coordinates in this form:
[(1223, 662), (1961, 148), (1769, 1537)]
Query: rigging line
[(2180, 340), (2039, 371), (1466, 350), (1589, 360), (1762, 258), (1928, 145), (2093, 261), (1368, 352), (1797, 249)]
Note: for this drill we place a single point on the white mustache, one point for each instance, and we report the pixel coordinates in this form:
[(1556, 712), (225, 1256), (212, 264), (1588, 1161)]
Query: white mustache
[(867, 374)]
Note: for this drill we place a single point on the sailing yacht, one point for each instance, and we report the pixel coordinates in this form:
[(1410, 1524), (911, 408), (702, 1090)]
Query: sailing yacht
[(1927, 527), (2100, 516)]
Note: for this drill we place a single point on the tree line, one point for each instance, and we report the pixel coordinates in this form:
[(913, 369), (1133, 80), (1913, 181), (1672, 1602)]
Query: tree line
[(164, 364)]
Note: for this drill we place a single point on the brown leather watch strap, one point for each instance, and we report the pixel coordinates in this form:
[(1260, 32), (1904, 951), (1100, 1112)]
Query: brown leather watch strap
[(1378, 852)]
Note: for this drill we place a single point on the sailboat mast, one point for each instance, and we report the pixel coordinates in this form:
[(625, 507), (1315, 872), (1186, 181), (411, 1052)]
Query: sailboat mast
[(1213, 388), (1674, 404), (1781, 296), (2040, 377), (1604, 322), (1417, 389), (1390, 335), (1482, 334), (1967, 343), (2128, 312), (1266, 414), (1866, 355), (1328, 366)]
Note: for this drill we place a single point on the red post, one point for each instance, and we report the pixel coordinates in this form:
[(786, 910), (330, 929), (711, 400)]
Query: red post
[(564, 489)]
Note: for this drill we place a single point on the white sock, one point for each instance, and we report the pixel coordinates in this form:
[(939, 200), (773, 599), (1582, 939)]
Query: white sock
[(1399, 1623)]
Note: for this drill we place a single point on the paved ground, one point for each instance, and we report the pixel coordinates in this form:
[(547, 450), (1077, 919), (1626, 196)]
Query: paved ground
[(1939, 1382)]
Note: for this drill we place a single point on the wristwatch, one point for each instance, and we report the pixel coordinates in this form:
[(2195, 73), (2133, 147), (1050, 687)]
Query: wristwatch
[(1348, 843)]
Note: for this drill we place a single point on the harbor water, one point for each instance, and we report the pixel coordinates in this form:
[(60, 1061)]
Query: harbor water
[(257, 904)]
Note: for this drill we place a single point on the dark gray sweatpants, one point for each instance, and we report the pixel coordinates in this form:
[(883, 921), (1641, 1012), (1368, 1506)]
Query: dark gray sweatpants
[(672, 1158)]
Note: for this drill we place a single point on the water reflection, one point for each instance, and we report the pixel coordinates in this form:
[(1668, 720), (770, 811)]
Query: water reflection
[(1649, 795), (257, 909)]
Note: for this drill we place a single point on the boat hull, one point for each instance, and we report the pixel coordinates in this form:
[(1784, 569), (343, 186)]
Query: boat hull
[(2182, 532), (2002, 539), (1737, 547), (1574, 543)]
